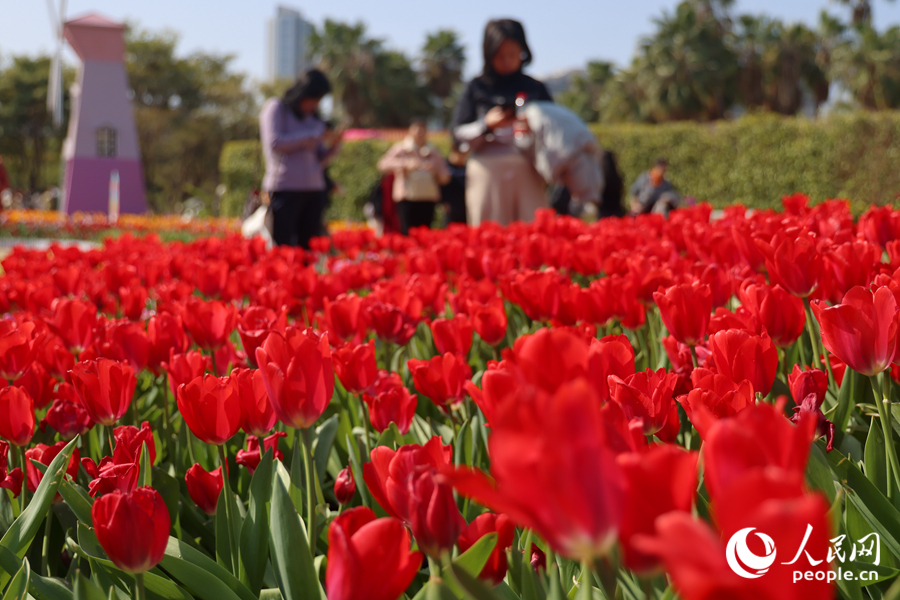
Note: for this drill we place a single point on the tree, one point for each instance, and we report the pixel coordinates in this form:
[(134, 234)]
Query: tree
[(868, 65), (441, 64), (27, 139), (585, 90), (186, 108), (396, 96)]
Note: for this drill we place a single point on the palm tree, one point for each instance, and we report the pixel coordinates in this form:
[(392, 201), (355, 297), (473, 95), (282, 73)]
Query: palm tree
[(585, 90), (868, 64), (348, 57), (441, 66)]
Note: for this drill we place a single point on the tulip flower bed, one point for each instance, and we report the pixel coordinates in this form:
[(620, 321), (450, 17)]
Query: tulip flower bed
[(636, 409)]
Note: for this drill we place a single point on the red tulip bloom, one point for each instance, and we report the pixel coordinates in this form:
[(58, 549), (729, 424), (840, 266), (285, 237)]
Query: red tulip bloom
[(390, 402), (779, 313), (167, 337), (755, 439), (210, 406), (808, 388), (130, 442), (105, 388), (259, 415), (850, 264), (862, 329), (344, 486), (542, 442), (16, 348), (74, 322), (209, 323), (495, 568), (434, 518), (298, 374), (661, 480), (44, 454), (685, 311), (10, 480), (17, 419), (453, 335), (739, 355), (343, 315), (389, 471), (254, 326), (489, 321), (355, 366), (133, 529), (184, 368), (715, 397), (536, 292), (390, 323), (646, 397), (538, 558), (440, 379), (253, 454), (368, 558), (68, 417), (793, 262), (204, 488)]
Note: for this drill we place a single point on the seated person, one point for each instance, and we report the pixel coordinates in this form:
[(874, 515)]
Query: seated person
[(650, 187)]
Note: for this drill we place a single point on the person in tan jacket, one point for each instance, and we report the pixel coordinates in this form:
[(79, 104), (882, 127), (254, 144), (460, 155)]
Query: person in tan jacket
[(419, 171)]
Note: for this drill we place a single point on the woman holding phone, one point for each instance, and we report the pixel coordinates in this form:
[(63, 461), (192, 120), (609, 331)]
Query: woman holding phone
[(501, 183)]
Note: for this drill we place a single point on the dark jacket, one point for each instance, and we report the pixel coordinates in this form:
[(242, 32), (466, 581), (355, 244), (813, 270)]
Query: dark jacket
[(487, 91)]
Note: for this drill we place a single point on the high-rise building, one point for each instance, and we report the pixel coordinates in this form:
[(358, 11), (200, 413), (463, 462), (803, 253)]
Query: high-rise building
[(288, 40)]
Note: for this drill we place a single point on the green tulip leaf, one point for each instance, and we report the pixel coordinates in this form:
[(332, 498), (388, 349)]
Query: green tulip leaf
[(85, 589), (325, 434), (472, 587), (255, 530), (18, 588), (292, 561), (202, 576), (41, 588), (78, 500)]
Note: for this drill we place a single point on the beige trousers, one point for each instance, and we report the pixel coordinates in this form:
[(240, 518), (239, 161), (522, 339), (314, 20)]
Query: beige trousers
[(502, 187)]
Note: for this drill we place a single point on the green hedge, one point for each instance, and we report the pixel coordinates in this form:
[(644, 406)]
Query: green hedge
[(754, 160)]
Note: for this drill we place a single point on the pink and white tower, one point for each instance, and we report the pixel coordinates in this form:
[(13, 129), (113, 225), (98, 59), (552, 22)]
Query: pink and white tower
[(102, 136)]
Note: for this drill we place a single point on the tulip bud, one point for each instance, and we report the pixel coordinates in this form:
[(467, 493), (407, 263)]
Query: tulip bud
[(344, 486), (204, 487)]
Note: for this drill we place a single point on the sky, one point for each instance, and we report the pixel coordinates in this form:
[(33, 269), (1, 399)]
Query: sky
[(563, 34)]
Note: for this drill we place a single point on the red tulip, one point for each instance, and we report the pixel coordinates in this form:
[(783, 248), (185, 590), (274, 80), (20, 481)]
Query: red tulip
[(453, 335), (489, 321), (536, 292), (715, 397), (130, 442), (538, 558), (68, 417), (132, 301), (661, 480), (495, 568), (211, 408), (850, 264), (39, 384), (387, 474), (44, 454), (204, 488), (390, 323), (343, 315), (254, 326), (862, 329), (434, 518), (685, 311), (739, 355), (440, 379), (253, 454), (298, 374), (646, 397), (368, 558), (805, 382), (17, 349), (167, 337), (184, 368), (390, 402), (355, 366), (133, 529), (105, 388), (259, 415), (209, 323), (556, 442), (344, 486), (74, 322), (10, 480), (17, 419), (793, 262), (779, 313)]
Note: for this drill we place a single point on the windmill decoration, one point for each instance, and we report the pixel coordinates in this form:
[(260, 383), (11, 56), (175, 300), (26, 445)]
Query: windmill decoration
[(101, 153)]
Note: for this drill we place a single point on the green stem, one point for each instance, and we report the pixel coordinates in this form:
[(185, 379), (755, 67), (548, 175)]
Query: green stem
[(694, 357), (109, 436), (165, 413), (365, 419), (45, 551), (139, 592), (229, 516), (607, 576), (434, 569), (585, 585), (23, 497), (882, 403), (310, 491), (212, 354)]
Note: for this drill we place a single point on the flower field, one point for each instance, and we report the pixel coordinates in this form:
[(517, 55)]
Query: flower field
[(636, 409)]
